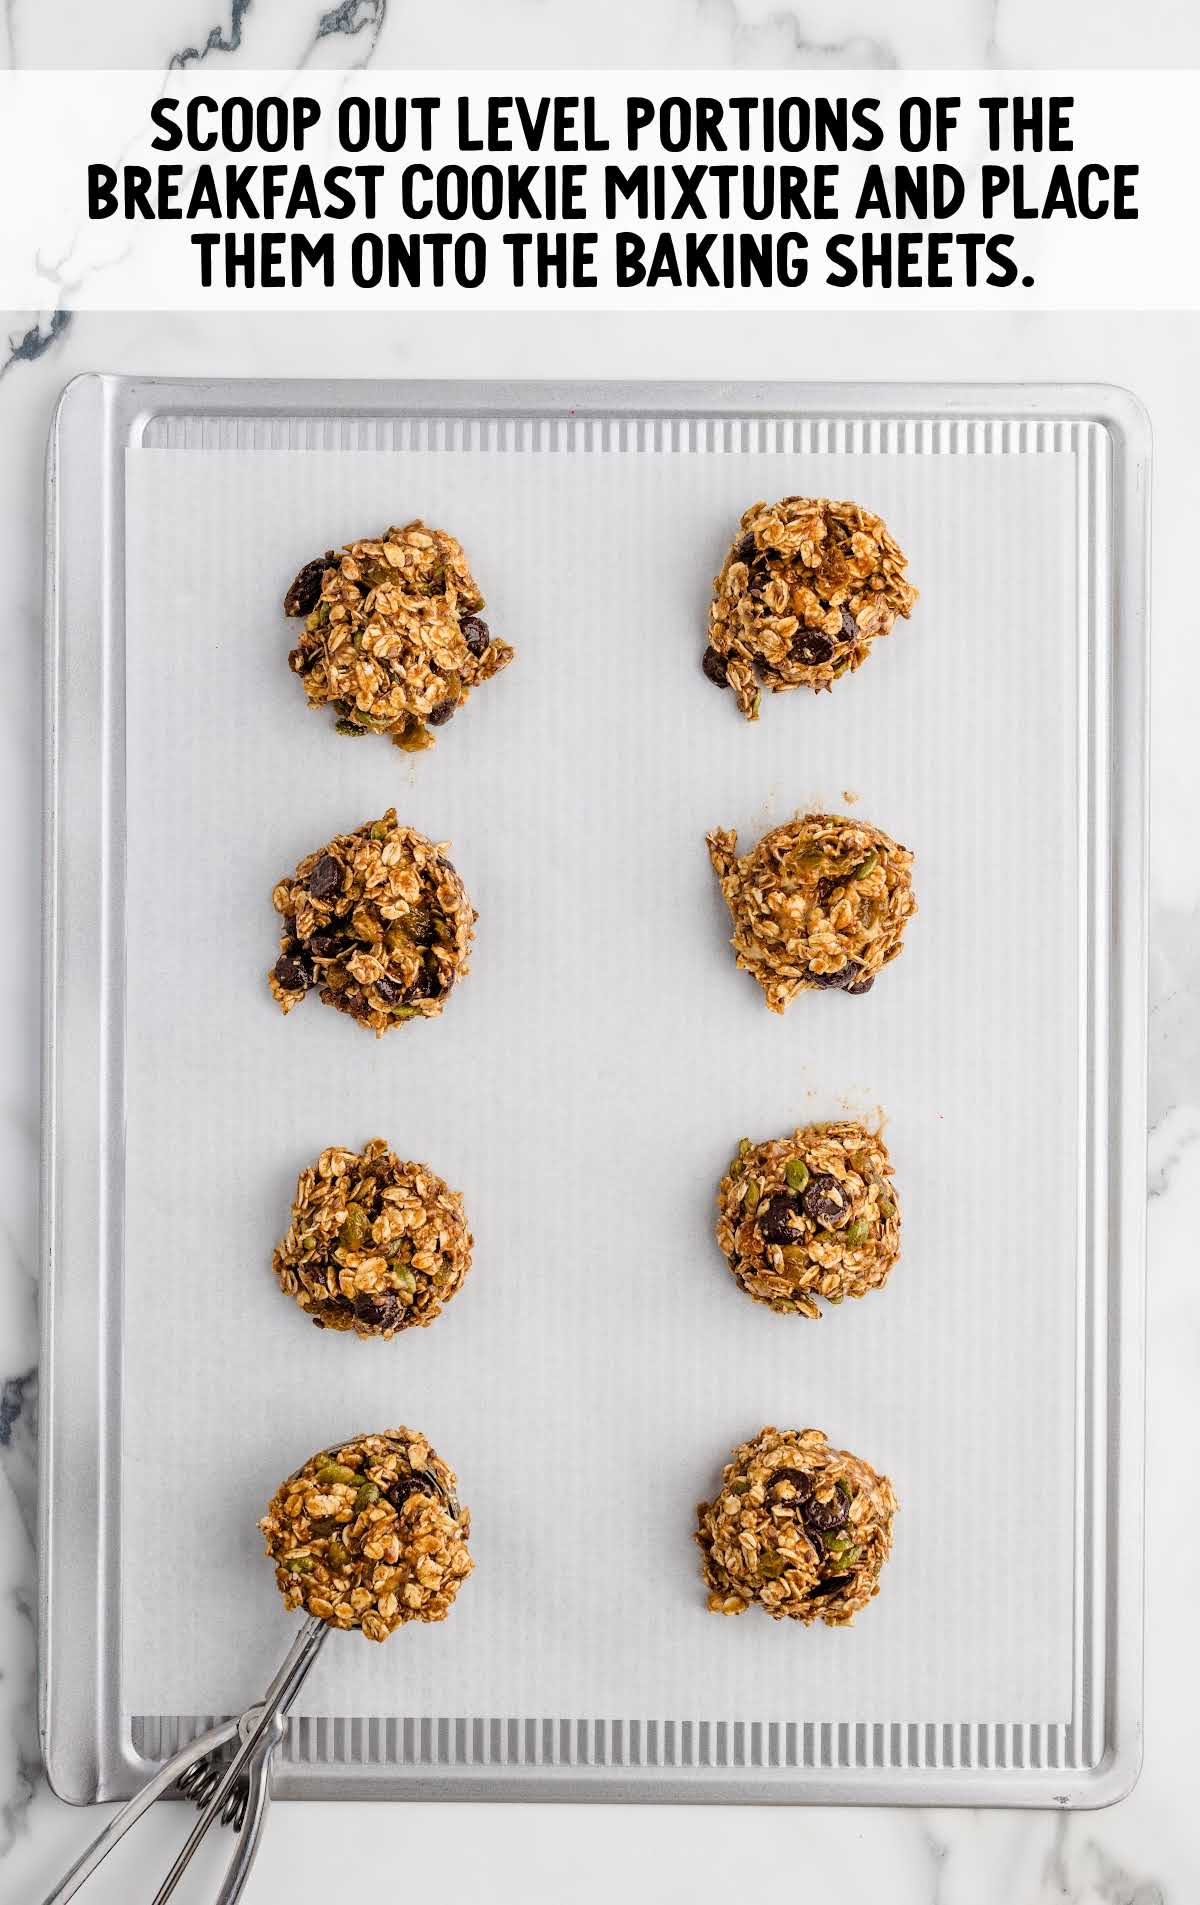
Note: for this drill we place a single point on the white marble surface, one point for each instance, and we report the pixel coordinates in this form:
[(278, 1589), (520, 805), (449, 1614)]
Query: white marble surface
[(1147, 1848)]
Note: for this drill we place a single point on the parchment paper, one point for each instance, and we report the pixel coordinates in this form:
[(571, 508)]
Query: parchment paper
[(589, 1079)]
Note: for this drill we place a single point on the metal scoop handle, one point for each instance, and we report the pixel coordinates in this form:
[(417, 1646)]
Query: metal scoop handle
[(218, 1788)]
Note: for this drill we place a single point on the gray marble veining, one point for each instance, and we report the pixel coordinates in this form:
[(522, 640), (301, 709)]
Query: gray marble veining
[(41, 335)]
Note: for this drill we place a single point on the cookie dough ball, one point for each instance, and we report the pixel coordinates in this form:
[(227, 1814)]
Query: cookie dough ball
[(378, 921), (375, 1245), (804, 591), (392, 638), (798, 1527), (809, 1216), (370, 1535), (820, 904)]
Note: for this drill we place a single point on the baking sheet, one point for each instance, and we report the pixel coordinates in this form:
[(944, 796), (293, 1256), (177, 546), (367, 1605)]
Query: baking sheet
[(589, 1079)]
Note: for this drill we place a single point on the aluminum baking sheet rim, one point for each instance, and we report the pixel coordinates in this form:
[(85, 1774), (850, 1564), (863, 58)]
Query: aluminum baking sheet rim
[(91, 1750)]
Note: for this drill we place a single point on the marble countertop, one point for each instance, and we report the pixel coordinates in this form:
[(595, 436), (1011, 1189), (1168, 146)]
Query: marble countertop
[(1145, 1849)]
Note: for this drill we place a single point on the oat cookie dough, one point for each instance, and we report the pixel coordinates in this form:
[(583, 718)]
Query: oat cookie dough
[(798, 1527), (375, 1244), (392, 638), (378, 921), (809, 1216), (806, 588), (819, 904), (370, 1535)]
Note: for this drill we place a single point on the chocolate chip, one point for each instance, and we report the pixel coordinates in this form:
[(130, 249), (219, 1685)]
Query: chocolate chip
[(833, 1585), (800, 1480), (827, 1515), (849, 626), (779, 1223), (812, 647), (325, 879), (716, 667), (389, 990), (291, 973), (746, 549), (424, 1482), (476, 634), (302, 597), (421, 1484), (825, 1201), (440, 714), (379, 1308)]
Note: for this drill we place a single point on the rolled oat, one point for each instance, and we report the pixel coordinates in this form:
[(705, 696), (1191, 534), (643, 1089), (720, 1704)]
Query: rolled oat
[(370, 1535), (378, 921), (392, 641), (812, 1215), (806, 588), (819, 904), (375, 1244), (799, 1528)]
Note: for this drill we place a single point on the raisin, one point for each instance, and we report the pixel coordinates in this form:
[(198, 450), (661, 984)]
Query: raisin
[(379, 1308), (441, 712), (746, 548), (861, 982), (827, 886), (475, 633), (780, 1221), (325, 945), (426, 985), (848, 978), (825, 1201), (833, 1585), (716, 667), (325, 879), (831, 981), (815, 1541), (291, 973), (849, 626), (419, 925), (828, 1515), (811, 647), (302, 597), (853, 977), (389, 990)]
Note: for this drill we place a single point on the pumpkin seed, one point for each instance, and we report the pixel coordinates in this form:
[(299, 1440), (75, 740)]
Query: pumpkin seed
[(331, 1472)]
